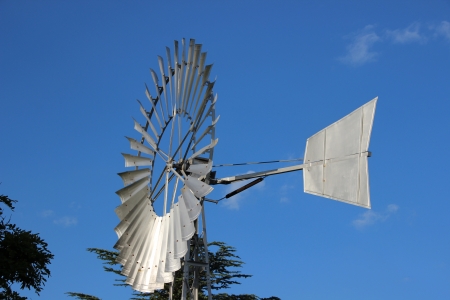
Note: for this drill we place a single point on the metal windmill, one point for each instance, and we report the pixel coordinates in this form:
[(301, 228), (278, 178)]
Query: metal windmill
[(164, 195)]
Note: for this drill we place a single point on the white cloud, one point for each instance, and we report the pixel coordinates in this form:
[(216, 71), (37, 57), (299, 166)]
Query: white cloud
[(284, 199), (284, 191), (370, 217), (359, 51), (66, 221), (444, 29), (409, 34), (46, 213), (74, 205)]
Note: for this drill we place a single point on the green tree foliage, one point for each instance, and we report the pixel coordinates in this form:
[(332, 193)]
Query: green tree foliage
[(24, 257), (223, 266), (82, 296)]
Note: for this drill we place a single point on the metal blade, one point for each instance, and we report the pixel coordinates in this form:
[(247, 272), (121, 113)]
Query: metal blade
[(193, 65), (147, 137), (200, 168), (204, 149), (200, 71), (205, 79), (163, 276), (136, 161), (172, 264), (188, 64), (150, 98), (192, 204), (128, 191), (133, 176), (130, 221), (125, 208), (199, 188), (135, 145), (180, 246), (164, 83), (145, 114), (155, 80), (187, 226), (169, 70), (207, 130)]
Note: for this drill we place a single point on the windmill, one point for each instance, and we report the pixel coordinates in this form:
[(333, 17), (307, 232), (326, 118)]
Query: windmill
[(164, 193)]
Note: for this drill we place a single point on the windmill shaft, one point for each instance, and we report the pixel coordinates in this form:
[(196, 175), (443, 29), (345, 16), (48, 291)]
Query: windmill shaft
[(228, 180)]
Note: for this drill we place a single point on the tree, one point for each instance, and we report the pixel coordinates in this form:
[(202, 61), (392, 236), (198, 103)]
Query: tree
[(223, 264), (24, 257)]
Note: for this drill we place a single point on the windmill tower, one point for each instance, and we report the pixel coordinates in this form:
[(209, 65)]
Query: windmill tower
[(162, 216)]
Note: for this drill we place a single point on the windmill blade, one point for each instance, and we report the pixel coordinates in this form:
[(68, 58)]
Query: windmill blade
[(145, 114), (155, 112), (187, 73), (131, 229), (138, 260), (170, 69), (180, 246), (172, 264), (133, 217), (132, 189), (187, 226), (207, 130), (158, 91), (206, 96), (199, 188), (204, 80), (147, 137), (133, 176), (162, 276), (200, 168), (204, 149), (164, 83), (211, 108), (136, 161), (192, 204), (194, 65), (200, 72), (125, 208), (343, 149), (133, 250), (135, 145)]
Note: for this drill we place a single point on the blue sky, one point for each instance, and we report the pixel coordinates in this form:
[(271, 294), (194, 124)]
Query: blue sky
[(70, 72)]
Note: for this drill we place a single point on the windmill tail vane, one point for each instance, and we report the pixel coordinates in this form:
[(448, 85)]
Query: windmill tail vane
[(162, 201)]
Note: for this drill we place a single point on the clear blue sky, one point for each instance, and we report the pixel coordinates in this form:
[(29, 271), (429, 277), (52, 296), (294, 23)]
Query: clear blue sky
[(70, 72)]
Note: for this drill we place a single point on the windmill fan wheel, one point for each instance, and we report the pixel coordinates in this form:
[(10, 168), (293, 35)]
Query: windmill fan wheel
[(170, 169)]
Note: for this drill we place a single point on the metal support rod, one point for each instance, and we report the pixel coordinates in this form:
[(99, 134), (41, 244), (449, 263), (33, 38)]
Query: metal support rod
[(258, 162), (228, 180), (186, 272), (205, 244)]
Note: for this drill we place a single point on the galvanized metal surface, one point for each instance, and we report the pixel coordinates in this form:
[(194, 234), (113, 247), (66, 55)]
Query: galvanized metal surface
[(342, 150), (154, 246)]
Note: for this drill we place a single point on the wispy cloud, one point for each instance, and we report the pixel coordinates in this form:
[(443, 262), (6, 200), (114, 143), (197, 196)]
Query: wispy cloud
[(66, 221), (443, 29), (234, 201), (46, 213), (284, 190), (371, 217), (74, 205), (359, 50), (410, 34)]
